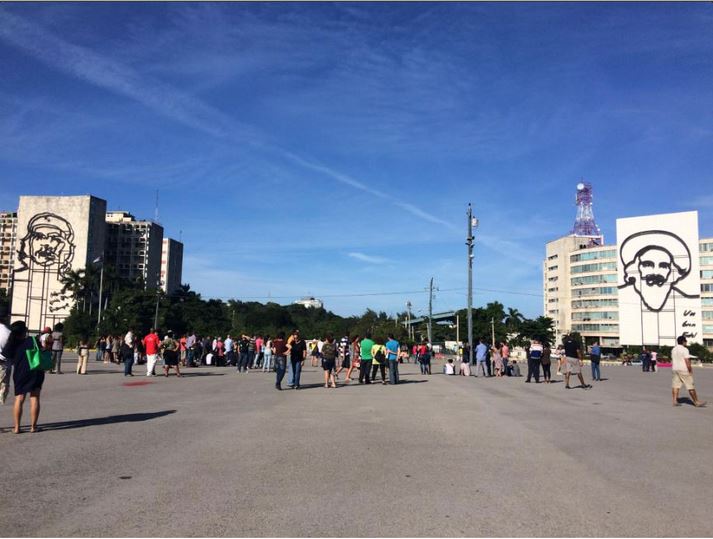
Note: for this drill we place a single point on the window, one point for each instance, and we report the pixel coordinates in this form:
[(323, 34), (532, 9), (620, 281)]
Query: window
[(707, 301), (605, 328), (593, 255), (707, 247), (594, 303), (595, 291), (707, 274), (707, 329), (707, 315), (593, 279), (706, 260), (588, 268), (707, 288), (586, 316), (552, 268)]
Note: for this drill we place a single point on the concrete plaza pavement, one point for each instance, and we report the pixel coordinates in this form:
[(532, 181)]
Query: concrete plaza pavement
[(218, 453)]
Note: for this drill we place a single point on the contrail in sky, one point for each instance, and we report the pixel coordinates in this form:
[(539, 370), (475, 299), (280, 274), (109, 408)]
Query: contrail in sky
[(163, 99)]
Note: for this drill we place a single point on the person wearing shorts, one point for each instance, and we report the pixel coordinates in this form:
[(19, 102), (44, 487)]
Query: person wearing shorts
[(329, 359), (682, 373), (573, 362)]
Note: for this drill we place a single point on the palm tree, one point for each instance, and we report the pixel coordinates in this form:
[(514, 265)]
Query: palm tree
[(513, 319)]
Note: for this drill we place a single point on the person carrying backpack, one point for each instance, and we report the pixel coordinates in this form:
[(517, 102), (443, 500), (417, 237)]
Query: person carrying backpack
[(329, 358), (378, 354)]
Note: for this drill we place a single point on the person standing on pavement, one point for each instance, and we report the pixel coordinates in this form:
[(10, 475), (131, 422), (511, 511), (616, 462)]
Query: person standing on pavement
[(170, 349), (497, 358), (365, 358), (573, 365), (595, 357), (329, 359), (229, 345), (481, 351), (505, 352), (151, 343), (266, 353), (424, 354), (5, 362), (24, 379), (243, 346), (127, 352), (342, 356), (82, 356), (683, 373), (534, 357), (190, 349), (378, 360), (392, 348), (279, 351), (354, 356), (57, 347), (546, 363), (298, 353)]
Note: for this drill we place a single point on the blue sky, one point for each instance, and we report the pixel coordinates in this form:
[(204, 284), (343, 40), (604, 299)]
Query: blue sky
[(331, 149)]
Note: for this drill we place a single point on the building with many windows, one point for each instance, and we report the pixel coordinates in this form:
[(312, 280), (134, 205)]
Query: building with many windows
[(8, 233), (582, 279), (171, 265), (133, 247)]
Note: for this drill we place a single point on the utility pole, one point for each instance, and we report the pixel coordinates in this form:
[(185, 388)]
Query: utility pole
[(492, 330), (430, 312), (408, 327), (472, 222), (457, 329), (100, 260)]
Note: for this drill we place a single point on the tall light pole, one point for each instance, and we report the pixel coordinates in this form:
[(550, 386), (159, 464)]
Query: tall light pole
[(100, 260), (430, 312), (408, 311), (472, 223)]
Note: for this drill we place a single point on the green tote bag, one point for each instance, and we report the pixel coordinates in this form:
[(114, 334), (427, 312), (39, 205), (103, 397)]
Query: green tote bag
[(39, 359)]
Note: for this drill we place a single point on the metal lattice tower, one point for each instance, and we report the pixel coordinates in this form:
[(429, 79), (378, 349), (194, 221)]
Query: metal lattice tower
[(584, 224)]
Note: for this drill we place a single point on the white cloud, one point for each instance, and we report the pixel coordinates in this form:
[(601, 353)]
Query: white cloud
[(368, 258)]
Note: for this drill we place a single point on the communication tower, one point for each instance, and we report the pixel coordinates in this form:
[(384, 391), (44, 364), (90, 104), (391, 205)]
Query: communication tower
[(584, 224)]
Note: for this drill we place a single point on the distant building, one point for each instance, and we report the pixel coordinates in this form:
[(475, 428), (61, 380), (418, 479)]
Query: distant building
[(55, 235), (133, 247), (310, 302), (654, 284), (171, 265), (8, 233)]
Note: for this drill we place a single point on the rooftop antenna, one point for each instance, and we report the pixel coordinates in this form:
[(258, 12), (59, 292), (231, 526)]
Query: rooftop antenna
[(584, 224), (155, 215), (180, 236)]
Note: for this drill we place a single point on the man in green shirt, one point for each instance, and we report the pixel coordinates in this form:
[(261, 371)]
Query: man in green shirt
[(366, 345)]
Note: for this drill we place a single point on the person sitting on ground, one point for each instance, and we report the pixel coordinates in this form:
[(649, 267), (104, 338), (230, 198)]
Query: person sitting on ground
[(448, 367), (464, 368), (514, 368)]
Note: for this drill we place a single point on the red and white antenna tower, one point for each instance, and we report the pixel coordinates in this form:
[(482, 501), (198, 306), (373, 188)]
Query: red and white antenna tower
[(584, 224)]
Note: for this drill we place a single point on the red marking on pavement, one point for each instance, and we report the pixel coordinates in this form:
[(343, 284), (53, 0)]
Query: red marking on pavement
[(139, 383)]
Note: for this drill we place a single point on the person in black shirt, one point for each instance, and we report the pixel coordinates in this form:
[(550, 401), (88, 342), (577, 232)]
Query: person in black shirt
[(298, 353), (573, 365)]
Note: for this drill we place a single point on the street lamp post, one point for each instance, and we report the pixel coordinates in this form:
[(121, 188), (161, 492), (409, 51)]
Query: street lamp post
[(472, 223)]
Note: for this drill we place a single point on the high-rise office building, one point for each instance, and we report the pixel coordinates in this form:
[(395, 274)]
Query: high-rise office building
[(171, 265), (55, 235), (133, 247)]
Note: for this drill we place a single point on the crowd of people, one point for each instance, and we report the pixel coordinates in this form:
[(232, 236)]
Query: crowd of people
[(369, 358)]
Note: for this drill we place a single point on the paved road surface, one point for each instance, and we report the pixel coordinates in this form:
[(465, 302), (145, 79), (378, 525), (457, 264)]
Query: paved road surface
[(217, 453)]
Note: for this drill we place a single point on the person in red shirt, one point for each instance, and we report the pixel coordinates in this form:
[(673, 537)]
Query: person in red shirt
[(182, 348), (151, 343)]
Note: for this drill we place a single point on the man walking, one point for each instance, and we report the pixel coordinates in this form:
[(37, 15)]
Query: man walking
[(229, 351), (595, 357), (392, 350), (279, 350), (481, 352), (573, 362), (683, 373), (151, 343), (127, 352), (365, 359), (533, 361)]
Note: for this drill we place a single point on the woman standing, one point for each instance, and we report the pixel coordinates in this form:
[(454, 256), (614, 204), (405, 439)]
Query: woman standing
[(329, 359), (546, 362), (354, 355), (266, 353), (115, 348), (378, 354), (25, 380), (497, 358), (170, 354)]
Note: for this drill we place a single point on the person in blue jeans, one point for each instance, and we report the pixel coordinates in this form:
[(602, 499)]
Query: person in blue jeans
[(279, 351), (392, 350), (595, 356), (298, 353)]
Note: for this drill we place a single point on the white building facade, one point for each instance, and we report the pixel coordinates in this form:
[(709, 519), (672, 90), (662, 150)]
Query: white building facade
[(654, 284), (171, 265), (133, 247)]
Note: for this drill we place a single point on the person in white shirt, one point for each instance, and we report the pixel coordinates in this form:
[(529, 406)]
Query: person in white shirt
[(5, 365), (449, 368), (682, 373)]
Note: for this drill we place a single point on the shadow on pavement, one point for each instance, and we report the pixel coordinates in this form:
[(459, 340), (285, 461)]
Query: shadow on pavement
[(192, 374), (95, 421)]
